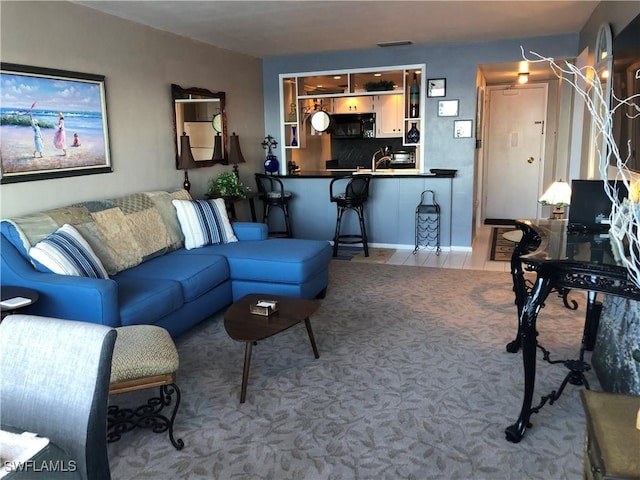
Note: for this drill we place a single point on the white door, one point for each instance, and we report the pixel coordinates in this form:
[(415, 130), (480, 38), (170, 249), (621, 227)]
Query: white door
[(514, 153)]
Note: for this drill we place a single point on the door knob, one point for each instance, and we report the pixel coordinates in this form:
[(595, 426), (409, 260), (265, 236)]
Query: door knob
[(531, 160)]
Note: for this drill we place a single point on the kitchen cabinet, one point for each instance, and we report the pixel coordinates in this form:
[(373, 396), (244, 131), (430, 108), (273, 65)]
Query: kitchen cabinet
[(360, 104), (389, 111)]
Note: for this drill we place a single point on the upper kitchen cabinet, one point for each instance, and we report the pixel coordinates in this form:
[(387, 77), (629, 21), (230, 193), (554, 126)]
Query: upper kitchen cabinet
[(389, 111), (360, 104)]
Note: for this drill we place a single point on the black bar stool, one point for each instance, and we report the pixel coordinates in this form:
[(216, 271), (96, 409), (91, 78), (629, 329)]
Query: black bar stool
[(272, 193), (353, 198)]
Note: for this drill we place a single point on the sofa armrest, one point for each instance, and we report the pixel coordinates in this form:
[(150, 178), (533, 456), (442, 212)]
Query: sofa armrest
[(61, 296), (250, 231)]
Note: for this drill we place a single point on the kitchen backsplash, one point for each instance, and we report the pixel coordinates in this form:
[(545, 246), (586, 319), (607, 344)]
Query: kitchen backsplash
[(357, 152)]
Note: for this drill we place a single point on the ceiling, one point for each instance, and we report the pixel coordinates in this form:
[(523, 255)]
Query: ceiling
[(270, 28)]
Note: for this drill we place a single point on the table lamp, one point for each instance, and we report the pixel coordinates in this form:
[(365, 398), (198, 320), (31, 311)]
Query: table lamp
[(235, 154), (558, 195), (185, 159)]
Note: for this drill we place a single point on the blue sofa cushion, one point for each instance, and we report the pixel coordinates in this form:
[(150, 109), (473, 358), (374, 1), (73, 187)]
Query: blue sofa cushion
[(65, 252), (280, 260), (204, 222), (144, 302), (195, 274)]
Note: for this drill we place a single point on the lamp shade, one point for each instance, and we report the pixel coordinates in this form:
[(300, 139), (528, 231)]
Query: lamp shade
[(218, 155), (558, 195), (235, 154), (185, 159)]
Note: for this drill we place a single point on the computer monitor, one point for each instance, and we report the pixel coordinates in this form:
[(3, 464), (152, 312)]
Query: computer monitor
[(590, 206)]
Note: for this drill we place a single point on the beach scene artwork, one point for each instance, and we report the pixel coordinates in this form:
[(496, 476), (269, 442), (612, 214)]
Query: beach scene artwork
[(51, 125)]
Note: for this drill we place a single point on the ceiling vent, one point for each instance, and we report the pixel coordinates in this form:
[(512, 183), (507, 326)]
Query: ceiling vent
[(395, 44)]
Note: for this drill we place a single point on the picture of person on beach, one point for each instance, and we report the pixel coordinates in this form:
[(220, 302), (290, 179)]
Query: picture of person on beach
[(37, 136), (60, 137), (76, 140)]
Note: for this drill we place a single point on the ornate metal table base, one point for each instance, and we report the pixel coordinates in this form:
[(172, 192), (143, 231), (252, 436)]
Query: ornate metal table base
[(122, 420)]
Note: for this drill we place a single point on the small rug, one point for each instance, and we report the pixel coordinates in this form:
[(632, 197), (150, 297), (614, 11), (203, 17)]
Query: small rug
[(376, 255), (501, 248), (356, 254)]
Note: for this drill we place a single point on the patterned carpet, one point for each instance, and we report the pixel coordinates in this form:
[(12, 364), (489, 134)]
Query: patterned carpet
[(413, 382)]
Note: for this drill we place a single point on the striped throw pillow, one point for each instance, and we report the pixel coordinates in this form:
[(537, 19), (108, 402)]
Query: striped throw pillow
[(204, 222), (65, 252)]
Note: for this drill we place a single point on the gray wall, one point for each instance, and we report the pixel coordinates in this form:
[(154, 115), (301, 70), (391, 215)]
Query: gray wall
[(139, 64), (458, 63)]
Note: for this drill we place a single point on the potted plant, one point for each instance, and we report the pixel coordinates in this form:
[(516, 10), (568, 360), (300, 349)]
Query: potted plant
[(227, 184)]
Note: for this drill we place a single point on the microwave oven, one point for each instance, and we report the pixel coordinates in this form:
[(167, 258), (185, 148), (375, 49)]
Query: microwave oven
[(354, 125)]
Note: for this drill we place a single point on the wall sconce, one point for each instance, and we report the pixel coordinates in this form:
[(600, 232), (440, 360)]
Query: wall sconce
[(218, 155), (523, 77), (558, 195), (235, 154), (186, 160)]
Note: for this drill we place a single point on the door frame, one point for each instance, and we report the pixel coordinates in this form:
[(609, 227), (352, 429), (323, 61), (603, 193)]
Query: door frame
[(485, 136)]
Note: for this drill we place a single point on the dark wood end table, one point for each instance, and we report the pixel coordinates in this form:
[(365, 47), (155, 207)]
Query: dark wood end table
[(8, 292), (243, 326)]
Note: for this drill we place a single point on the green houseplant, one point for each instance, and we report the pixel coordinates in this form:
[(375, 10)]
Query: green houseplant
[(227, 184)]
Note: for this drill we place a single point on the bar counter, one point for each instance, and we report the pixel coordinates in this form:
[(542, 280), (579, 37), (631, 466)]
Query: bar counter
[(390, 211)]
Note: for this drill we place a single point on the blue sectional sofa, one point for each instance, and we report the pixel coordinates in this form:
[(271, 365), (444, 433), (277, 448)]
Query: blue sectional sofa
[(152, 278)]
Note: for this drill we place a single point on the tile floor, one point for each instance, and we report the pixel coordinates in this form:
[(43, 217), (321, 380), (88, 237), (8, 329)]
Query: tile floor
[(477, 259)]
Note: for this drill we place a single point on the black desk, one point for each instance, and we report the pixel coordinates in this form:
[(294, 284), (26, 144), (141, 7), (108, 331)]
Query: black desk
[(561, 260)]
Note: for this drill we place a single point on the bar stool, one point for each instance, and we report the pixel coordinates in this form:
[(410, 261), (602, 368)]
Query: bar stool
[(353, 198), (272, 193)]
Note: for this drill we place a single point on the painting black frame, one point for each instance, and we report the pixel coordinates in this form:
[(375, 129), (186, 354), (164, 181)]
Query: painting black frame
[(53, 78)]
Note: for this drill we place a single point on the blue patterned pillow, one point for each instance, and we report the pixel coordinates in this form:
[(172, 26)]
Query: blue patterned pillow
[(67, 253), (204, 222)]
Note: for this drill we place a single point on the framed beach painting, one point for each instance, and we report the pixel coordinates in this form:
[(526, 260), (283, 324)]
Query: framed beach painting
[(53, 124)]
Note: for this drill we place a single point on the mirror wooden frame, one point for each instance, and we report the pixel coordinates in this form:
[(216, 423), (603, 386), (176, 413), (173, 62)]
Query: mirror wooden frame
[(179, 93)]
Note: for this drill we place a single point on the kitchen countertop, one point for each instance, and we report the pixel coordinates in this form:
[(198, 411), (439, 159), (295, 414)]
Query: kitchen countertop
[(345, 173)]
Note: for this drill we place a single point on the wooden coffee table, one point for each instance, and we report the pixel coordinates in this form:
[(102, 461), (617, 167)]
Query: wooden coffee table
[(243, 326)]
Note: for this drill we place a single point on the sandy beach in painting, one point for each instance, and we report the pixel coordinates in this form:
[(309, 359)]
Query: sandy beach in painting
[(17, 148)]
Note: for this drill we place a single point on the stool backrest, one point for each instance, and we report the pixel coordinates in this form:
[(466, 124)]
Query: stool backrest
[(358, 187), (267, 184)]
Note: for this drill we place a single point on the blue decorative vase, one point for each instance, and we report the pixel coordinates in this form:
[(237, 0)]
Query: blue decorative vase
[(413, 135), (294, 136), (271, 164)]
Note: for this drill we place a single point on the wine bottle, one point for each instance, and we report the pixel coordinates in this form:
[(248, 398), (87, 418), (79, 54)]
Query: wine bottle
[(414, 98)]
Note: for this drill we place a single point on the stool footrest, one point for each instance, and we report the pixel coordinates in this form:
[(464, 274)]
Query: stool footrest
[(122, 420)]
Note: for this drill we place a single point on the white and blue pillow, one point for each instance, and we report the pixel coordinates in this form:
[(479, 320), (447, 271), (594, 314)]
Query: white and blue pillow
[(65, 252), (204, 222)]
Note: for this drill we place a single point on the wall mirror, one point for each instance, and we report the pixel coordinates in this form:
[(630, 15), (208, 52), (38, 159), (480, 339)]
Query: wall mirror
[(200, 114)]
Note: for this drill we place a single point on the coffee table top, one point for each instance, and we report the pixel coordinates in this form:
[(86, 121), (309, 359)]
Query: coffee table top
[(243, 326)]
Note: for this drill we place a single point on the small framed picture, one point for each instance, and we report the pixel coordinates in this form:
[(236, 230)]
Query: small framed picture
[(448, 108), (436, 87), (462, 128)]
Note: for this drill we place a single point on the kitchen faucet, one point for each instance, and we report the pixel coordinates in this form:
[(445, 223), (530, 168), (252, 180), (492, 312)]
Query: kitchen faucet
[(385, 156)]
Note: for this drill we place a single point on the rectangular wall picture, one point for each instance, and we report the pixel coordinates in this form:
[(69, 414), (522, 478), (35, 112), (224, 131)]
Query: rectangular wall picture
[(53, 124)]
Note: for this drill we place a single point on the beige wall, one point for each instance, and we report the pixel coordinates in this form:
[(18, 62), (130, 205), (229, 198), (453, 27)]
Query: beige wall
[(139, 64)]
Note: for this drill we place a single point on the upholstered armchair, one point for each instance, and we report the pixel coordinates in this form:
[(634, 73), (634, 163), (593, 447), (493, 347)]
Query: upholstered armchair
[(54, 381)]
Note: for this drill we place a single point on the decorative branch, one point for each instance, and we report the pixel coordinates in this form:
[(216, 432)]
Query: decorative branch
[(625, 214)]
